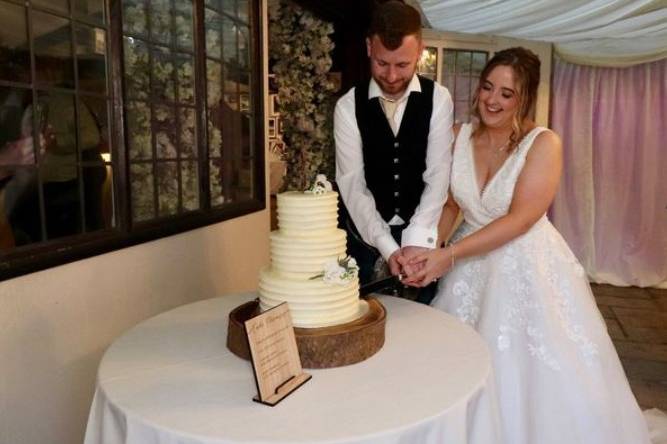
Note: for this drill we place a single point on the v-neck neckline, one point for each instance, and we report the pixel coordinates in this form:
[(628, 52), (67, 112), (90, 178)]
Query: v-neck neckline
[(487, 185)]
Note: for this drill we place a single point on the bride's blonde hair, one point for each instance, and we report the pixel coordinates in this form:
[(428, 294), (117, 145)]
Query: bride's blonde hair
[(526, 67)]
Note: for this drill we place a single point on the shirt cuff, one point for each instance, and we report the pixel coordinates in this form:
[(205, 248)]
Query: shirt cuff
[(419, 237), (386, 245)]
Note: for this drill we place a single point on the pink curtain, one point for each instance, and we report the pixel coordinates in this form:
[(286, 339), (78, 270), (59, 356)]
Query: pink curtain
[(612, 203)]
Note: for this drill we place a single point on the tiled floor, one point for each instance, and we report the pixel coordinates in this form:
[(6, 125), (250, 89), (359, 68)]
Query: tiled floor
[(637, 323)]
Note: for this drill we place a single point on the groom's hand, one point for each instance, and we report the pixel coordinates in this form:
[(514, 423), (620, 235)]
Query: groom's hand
[(394, 263)]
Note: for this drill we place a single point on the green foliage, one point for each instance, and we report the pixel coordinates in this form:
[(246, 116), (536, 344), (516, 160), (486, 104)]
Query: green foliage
[(300, 48)]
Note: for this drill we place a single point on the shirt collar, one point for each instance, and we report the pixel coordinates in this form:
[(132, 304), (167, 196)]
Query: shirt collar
[(375, 91)]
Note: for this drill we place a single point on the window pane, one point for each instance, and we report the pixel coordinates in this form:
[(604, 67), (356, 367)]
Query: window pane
[(21, 221), (244, 184), (245, 60), (58, 5), (165, 132), (190, 181), (183, 22), (53, 50), (97, 197), (98, 110), (215, 172), (134, 17), (229, 6), (167, 179), (448, 60), (463, 61), (106, 215), (448, 81), (214, 97), (213, 34), (163, 75), (462, 90), (16, 136), (160, 21), (185, 79), (187, 127), (141, 180), (91, 10), (136, 68), (91, 59), (138, 120), (14, 55), (62, 202), (478, 62), (230, 43)]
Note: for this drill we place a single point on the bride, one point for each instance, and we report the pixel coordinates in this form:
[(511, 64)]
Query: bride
[(513, 278)]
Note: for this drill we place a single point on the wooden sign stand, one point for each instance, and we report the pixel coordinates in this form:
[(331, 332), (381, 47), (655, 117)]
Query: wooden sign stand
[(274, 355)]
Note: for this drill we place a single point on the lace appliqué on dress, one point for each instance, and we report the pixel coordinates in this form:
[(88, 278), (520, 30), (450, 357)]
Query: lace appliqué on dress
[(520, 309), (468, 292), (563, 295)]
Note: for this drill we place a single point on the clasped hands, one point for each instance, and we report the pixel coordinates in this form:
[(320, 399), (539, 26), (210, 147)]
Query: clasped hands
[(419, 266)]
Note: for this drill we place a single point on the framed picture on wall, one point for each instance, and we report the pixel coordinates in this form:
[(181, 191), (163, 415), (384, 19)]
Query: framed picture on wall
[(272, 127), (273, 105)]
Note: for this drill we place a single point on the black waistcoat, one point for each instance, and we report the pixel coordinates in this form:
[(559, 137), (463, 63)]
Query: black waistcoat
[(393, 165)]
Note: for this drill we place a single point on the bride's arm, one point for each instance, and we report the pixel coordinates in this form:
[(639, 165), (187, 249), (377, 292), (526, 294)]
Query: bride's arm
[(451, 209), (450, 212), (534, 191)]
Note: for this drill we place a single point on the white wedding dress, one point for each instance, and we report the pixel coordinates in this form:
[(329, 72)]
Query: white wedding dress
[(559, 379)]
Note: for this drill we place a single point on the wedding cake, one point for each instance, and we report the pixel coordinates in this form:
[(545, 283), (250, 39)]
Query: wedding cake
[(309, 267)]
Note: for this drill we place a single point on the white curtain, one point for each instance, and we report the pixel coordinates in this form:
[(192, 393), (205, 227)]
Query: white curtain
[(612, 203), (600, 32)]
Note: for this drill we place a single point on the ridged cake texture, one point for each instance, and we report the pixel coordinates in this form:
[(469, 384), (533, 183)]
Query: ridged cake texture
[(307, 238)]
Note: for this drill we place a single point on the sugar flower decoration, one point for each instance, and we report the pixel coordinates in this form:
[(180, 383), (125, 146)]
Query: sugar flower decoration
[(339, 271)]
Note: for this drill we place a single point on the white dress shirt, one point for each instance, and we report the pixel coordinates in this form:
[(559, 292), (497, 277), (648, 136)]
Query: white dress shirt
[(423, 227)]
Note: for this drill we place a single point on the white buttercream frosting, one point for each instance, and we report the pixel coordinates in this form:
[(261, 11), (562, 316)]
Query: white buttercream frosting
[(307, 239)]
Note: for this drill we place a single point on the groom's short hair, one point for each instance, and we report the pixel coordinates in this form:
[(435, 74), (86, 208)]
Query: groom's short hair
[(393, 20)]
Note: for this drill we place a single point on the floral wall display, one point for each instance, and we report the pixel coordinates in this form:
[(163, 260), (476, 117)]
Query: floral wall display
[(300, 50)]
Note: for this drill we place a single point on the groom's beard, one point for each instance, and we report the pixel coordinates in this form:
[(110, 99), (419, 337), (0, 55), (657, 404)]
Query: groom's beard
[(394, 89)]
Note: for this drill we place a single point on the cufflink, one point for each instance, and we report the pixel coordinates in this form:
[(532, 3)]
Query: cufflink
[(430, 240)]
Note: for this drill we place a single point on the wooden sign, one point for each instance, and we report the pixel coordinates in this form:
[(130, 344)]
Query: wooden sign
[(274, 355)]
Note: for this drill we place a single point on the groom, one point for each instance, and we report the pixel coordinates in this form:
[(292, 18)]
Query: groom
[(393, 136)]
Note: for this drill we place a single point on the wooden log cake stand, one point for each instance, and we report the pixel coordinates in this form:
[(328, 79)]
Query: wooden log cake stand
[(324, 347)]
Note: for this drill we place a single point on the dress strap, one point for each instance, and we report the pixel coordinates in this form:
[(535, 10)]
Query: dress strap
[(527, 142)]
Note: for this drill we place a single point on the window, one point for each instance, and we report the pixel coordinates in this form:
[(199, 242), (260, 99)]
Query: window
[(459, 73), (120, 126), (456, 60)]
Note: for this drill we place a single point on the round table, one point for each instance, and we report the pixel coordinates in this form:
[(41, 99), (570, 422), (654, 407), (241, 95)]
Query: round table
[(172, 380)]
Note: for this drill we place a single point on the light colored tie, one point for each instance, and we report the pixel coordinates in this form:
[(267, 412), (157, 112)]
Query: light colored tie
[(389, 107)]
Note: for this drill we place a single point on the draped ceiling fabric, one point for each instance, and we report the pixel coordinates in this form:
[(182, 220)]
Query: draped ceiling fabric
[(613, 33)]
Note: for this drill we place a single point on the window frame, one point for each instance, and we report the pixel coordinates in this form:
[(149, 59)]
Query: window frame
[(46, 254)]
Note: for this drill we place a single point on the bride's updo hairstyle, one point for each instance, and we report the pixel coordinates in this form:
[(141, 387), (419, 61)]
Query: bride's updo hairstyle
[(526, 67)]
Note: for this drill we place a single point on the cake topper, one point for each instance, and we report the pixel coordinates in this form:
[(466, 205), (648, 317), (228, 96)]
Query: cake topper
[(320, 186), (339, 271)]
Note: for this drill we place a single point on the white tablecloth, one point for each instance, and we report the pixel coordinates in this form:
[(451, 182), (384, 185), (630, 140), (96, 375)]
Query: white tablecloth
[(172, 380)]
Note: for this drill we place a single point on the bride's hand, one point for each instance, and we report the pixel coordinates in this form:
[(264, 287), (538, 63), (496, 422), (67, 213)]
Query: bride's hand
[(435, 263)]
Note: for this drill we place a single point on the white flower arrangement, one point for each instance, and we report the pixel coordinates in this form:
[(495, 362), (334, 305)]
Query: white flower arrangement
[(339, 271), (320, 186), (300, 48)]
